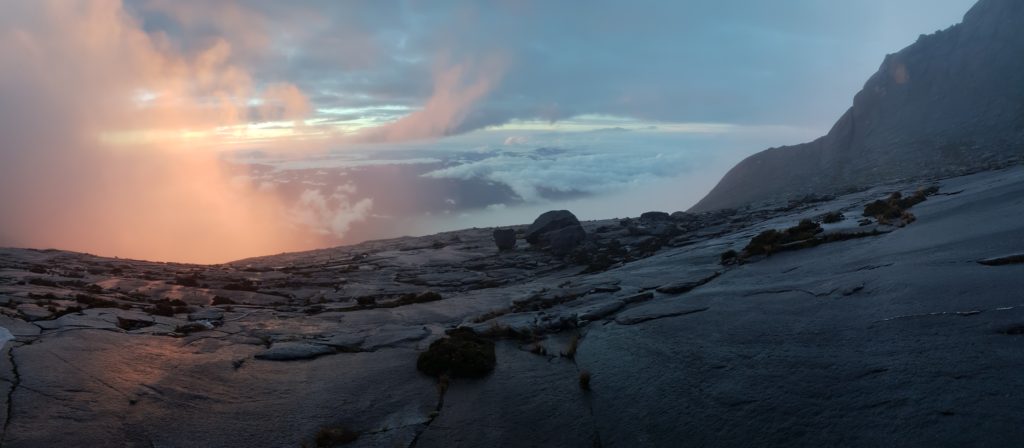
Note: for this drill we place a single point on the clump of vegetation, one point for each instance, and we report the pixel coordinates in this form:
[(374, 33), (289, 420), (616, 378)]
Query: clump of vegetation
[(42, 282), (585, 380), (894, 208), (242, 285), (490, 315), (832, 217), (729, 257), (461, 354), (95, 302), (409, 299), (191, 280), (801, 236), (191, 327), (60, 312), (132, 324), (772, 240), (221, 300), (538, 349), (574, 344), (332, 436), (167, 308)]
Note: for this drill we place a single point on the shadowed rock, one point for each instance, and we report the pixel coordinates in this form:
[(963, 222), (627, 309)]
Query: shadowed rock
[(558, 231), (1000, 261), (505, 239)]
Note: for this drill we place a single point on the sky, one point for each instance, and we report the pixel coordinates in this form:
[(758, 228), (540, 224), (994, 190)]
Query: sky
[(187, 130)]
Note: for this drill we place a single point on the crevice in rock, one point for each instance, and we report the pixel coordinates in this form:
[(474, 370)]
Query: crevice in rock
[(872, 267), (87, 374), (15, 382), (783, 291), (575, 344), (684, 287), (1002, 261), (640, 320), (442, 389), (950, 313)]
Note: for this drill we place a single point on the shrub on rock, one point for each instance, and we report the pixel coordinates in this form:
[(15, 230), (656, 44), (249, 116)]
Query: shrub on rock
[(461, 354), (770, 240), (832, 217)]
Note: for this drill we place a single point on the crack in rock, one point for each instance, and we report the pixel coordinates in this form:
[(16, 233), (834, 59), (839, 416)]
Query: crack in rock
[(641, 319), (682, 287), (15, 382), (950, 313), (1002, 261)]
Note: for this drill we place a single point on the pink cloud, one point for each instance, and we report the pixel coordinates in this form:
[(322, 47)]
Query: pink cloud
[(457, 89)]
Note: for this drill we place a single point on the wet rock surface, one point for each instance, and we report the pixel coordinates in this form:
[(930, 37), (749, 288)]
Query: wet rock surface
[(909, 336)]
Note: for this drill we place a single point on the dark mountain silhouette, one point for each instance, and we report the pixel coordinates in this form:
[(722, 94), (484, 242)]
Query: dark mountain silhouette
[(951, 102)]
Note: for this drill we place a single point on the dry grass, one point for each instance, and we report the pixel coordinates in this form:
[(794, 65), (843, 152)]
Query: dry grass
[(585, 380), (574, 343)]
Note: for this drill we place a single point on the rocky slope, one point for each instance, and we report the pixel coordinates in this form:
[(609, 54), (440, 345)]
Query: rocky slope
[(950, 103), (898, 337)]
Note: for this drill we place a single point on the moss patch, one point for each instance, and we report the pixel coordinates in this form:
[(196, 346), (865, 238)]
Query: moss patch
[(331, 436), (770, 241), (461, 354)]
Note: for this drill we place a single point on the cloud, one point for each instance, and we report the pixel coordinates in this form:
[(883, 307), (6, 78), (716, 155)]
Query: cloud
[(332, 214), (284, 101), (457, 89), (106, 131), (516, 140), (534, 175)]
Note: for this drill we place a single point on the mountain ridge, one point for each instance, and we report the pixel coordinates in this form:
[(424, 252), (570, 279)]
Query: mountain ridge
[(951, 102)]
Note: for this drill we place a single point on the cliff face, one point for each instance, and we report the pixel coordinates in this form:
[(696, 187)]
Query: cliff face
[(953, 100)]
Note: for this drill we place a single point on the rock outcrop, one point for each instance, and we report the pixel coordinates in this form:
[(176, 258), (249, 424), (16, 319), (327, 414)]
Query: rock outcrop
[(952, 102), (557, 231)]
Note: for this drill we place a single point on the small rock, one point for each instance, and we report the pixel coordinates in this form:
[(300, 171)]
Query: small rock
[(346, 342), (683, 216), (291, 351), (33, 312), (505, 239), (194, 327)]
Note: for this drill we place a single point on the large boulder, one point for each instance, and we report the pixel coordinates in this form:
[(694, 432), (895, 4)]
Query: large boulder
[(649, 217), (564, 240), (505, 239), (558, 231)]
